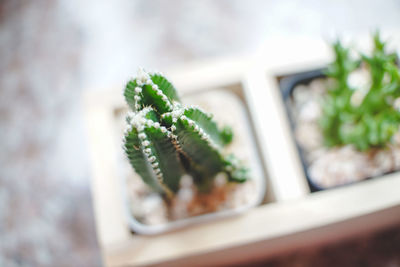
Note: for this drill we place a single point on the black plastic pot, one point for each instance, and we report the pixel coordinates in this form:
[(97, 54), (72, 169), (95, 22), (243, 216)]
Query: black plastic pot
[(287, 85)]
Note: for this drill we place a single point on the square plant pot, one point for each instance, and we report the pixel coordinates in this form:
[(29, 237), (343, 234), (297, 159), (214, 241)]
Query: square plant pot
[(306, 86), (324, 167), (146, 211), (297, 86)]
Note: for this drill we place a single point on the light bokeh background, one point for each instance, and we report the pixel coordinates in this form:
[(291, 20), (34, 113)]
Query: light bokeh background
[(53, 51)]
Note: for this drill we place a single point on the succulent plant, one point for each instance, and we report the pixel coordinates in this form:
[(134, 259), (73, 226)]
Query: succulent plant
[(165, 140), (365, 116)]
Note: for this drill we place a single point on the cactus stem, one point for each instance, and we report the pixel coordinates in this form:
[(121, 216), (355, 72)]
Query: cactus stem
[(186, 132), (153, 164), (204, 136), (142, 79)]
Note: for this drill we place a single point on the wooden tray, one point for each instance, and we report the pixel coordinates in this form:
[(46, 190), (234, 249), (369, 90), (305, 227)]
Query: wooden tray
[(290, 217)]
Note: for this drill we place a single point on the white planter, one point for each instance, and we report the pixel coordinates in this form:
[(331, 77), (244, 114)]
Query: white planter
[(228, 109)]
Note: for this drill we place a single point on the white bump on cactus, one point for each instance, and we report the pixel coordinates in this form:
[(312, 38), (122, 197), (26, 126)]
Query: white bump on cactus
[(146, 143), (396, 104), (204, 136), (191, 123), (142, 75)]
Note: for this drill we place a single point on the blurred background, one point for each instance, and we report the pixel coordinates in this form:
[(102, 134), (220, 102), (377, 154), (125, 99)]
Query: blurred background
[(53, 51)]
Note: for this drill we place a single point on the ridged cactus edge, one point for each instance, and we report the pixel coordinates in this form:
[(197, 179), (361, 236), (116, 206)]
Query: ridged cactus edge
[(164, 139)]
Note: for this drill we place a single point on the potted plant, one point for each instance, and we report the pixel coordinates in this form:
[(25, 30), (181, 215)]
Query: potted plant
[(178, 153), (249, 101), (346, 117)]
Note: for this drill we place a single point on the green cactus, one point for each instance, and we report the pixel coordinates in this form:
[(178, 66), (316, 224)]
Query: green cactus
[(373, 122), (165, 140)]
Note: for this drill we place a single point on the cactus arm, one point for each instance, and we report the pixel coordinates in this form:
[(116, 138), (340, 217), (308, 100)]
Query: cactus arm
[(201, 142), (165, 86), (150, 89), (198, 145), (138, 159), (226, 134), (235, 170), (151, 152), (153, 96), (142, 92), (206, 122), (166, 158), (204, 160)]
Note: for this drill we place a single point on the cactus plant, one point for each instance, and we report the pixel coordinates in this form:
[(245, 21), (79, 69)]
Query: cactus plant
[(372, 121), (165, 139)]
